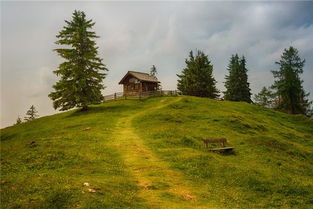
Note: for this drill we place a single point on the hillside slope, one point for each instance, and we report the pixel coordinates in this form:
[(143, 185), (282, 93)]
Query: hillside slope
[(149, 154)]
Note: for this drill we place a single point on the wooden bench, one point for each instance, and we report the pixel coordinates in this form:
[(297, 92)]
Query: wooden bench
[(221, 141)]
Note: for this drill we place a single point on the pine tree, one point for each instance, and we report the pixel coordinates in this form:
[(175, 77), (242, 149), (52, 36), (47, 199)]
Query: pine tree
[(264, 98), (153, 71), (237, 86), (18, 120), (197, 78), (288, 85), (31, 114), (231, 83), (83, 71), (244, 84)]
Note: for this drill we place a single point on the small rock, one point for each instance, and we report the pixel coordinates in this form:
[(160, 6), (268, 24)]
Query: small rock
[(86, 184), (86, 129), (92, 190)]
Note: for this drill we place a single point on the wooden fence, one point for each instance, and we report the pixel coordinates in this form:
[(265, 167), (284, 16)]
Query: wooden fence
[(140, 95)]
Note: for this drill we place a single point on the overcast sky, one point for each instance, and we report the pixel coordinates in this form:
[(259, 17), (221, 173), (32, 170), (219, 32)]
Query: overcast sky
[(137, 35)]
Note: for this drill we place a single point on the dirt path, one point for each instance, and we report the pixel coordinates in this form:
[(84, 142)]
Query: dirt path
[(159, 186)]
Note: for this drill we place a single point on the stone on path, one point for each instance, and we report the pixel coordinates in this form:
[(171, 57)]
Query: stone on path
[(86, 184)]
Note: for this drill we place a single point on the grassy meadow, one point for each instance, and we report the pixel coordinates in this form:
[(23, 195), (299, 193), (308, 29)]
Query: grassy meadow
[(149, 154)]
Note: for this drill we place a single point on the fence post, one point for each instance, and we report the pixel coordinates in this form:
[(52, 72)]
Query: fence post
[(114, 96)]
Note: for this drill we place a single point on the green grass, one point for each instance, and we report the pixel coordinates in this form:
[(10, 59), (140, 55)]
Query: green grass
[(149, 154)]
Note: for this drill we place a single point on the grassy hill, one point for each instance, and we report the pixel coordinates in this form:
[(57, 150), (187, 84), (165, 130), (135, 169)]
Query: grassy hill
[(149, 154)]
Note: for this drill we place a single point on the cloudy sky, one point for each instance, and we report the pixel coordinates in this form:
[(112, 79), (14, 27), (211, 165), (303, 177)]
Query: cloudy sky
[(136, 35)]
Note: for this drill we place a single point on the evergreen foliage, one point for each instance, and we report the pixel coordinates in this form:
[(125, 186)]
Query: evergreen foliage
[(197, 78), (31, 114), (83, 71), (288, 84), (18, 120), (237, 86), (264, 98), (153, 71)]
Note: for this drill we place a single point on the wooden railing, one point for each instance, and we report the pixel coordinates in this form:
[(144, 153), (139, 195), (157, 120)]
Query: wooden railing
[(140, 95)]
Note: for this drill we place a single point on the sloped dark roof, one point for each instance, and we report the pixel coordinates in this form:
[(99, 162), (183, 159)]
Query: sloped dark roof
[(140, 76)]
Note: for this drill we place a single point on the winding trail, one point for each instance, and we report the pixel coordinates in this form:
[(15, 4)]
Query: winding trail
[(159, 185)]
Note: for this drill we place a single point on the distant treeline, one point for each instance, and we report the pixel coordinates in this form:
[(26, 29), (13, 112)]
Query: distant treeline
[(286, 94)]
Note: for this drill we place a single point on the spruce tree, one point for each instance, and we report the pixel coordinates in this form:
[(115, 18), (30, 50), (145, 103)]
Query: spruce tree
[(231, 83), (82, 73), (288, 85), (237, 86), (153, 71), (264, 98), (244, 84), (197, 78), (31, 114), (18, 120)]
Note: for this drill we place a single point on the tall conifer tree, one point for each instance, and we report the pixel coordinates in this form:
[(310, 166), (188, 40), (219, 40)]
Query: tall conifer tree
[(82, 73), (288, 84), (237, 85), (153, 71), (31, 114), (197, 78)]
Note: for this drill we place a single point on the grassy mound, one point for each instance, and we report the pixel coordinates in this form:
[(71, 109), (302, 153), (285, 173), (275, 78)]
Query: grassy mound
[(271, 166), (45, 162)]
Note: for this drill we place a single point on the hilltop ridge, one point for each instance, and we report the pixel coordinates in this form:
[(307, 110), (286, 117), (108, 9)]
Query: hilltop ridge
[(149, 154)]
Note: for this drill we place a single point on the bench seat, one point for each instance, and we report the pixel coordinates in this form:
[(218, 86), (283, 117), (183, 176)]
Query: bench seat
[(222, 141), (221, 148)]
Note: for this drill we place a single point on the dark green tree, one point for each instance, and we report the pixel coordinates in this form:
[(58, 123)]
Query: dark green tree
[(264, 98), (153, 71), (237, 86), (288, 84), (31, 114), (18, 120), (82, 73), (197, 78)]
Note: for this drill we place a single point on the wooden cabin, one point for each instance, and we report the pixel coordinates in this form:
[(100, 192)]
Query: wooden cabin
[(137, 82)]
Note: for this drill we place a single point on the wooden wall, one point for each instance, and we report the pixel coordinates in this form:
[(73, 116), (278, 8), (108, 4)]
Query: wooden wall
[(138, 86)]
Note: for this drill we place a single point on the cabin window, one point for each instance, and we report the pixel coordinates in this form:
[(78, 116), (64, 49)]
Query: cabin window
[(133, 80), (129, 87), (136, 86)]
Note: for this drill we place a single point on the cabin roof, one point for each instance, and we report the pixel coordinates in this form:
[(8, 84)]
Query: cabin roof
[(140, 76)]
